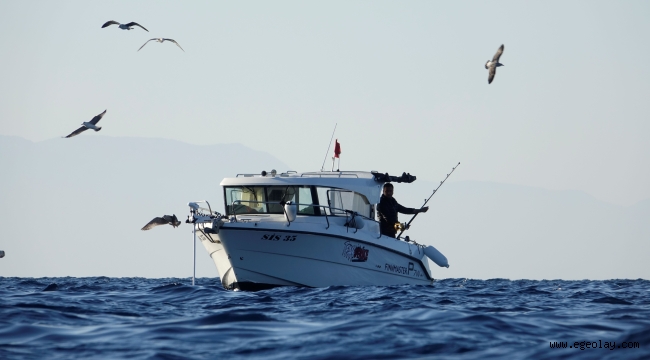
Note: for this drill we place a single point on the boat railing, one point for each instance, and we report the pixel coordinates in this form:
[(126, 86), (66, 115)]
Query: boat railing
[(349, 214), (330, 174), (271, 174)]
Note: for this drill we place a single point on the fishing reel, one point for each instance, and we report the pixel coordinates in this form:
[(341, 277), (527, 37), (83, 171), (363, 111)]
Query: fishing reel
[(400, 226)]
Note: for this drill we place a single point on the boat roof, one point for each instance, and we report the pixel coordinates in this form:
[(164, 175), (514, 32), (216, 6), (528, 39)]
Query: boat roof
[(362, 182)]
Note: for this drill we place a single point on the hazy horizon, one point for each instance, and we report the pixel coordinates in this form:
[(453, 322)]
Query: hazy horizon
[(63, 219)]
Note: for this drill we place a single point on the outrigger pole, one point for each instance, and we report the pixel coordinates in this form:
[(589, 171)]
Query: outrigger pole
[(194, 267), (427, 200), (192, 219), (328, 150)]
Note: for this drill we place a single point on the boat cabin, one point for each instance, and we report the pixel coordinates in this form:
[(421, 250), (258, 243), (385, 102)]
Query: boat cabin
[(314, 193)]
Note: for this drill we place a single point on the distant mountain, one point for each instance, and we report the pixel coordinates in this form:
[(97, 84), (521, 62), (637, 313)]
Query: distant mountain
[(493, 230), (74, 207)]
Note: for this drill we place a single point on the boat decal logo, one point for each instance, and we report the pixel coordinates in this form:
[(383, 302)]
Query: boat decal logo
[(410, 270), (355, 253)]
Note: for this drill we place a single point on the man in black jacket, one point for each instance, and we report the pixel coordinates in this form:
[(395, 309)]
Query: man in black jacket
[(387, 211)]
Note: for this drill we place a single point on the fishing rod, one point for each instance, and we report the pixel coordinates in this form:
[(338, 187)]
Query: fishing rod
[(405, 227)]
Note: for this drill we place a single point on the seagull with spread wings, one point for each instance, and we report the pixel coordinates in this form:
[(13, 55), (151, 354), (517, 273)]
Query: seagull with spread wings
[(164, 220), (128, 26), (160, 40), (92, 124), (492, 65)]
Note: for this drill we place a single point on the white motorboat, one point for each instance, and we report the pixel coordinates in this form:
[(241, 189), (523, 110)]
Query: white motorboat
[(312, 229)]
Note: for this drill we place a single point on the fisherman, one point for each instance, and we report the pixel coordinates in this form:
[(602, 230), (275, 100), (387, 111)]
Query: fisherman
[(387, 211)]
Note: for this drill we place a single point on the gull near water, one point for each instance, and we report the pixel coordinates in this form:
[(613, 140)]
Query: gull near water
[(494, 64), (164, 220), (160, 40), (92, 124), (128, 26)]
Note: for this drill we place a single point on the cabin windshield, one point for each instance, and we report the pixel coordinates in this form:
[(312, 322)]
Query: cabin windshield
[(269, 199)]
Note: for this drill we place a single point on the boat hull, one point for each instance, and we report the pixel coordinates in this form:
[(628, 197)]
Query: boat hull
[(252, 258)]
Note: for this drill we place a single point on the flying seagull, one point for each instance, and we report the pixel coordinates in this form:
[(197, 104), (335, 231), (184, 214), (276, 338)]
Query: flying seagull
[(494, 64), (128, 26), (92, 124), (160, 40), (164, 220)]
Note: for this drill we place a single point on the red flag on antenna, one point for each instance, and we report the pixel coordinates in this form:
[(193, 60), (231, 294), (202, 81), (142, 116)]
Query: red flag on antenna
[(337, 149)]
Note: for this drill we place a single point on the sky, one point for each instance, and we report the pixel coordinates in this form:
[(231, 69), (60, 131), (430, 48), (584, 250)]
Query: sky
[(403, 82)]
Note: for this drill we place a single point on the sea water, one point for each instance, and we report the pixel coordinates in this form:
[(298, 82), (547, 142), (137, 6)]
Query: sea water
[(136, 318)]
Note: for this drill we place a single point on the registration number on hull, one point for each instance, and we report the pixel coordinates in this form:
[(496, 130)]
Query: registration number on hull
[(279, 237)]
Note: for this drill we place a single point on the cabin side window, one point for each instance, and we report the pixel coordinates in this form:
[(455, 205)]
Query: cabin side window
[(339, 200), (305, 200)]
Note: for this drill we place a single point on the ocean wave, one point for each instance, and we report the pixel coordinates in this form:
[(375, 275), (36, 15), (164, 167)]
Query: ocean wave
[(455, 318)]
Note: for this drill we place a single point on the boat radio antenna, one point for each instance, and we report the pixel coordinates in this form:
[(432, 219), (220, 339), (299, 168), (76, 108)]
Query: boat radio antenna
[(328, 148), (427, 200)]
